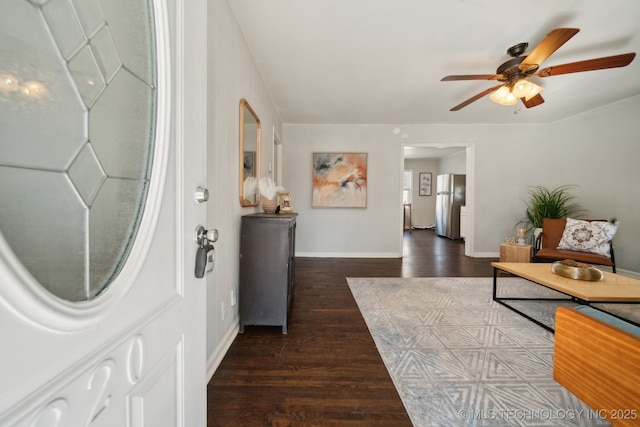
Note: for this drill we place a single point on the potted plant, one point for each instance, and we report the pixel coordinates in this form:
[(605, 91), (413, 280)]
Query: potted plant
[(269, 191), (546, 203)]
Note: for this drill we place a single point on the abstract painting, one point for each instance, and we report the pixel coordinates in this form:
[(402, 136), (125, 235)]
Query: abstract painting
[(339, 180)]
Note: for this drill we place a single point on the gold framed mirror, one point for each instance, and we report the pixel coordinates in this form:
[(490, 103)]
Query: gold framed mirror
[(250, 130)]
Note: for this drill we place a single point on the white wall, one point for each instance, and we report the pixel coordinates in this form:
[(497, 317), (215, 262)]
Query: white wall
[(605, 161), (232, 76), (424, 207), (453, 163), (596, 151), (374, 231)]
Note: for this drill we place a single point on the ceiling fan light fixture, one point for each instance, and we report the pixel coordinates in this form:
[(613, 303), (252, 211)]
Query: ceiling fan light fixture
[(525, 89), (535, 91), (503, 96), (515, 72)]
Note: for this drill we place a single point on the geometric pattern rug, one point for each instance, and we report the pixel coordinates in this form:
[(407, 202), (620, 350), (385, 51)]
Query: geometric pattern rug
[(457, 358)]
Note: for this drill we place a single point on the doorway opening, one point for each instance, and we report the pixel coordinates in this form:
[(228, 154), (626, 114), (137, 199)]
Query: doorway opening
[(435, 159)]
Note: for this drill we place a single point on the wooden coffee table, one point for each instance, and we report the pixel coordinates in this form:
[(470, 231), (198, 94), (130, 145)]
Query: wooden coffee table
[(614, 288)]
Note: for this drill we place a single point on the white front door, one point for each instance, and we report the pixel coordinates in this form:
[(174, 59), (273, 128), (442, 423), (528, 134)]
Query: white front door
[(130, 352)]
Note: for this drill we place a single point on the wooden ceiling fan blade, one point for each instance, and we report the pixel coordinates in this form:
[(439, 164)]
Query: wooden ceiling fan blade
[(471, 77), (588, 65), (546, 47), (475, 98), (533, 101)]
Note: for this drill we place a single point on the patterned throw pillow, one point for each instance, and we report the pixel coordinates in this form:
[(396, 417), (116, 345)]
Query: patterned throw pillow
[(585, 236)]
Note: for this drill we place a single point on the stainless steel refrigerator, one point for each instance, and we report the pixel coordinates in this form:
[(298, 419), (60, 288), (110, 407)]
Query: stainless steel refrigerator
[(450, 195)]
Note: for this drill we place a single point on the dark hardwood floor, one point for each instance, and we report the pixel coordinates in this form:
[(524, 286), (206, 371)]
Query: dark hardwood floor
[(326, 371)]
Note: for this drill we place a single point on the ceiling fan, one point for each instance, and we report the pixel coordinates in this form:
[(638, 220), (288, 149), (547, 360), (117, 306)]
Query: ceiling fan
[(515, 72)]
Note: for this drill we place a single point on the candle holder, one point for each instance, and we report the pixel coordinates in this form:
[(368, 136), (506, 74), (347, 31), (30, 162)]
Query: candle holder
[(521, 235)]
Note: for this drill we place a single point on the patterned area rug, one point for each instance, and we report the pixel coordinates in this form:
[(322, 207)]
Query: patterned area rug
[(458, 358)]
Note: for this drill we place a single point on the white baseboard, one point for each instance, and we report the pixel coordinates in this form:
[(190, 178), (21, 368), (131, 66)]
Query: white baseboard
[(485, 255), (629, 273), (348, 255), (215, 358), (376, 255)]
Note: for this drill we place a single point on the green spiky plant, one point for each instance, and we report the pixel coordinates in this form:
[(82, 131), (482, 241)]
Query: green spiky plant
[(546, 203)]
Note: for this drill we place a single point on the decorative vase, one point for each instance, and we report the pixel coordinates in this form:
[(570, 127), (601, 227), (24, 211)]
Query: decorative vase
[(269, 206)]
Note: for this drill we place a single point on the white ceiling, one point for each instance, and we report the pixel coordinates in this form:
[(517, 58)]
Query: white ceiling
[(381, 61)]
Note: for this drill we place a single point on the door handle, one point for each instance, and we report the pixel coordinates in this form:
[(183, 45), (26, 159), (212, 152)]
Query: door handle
[(204, 236)]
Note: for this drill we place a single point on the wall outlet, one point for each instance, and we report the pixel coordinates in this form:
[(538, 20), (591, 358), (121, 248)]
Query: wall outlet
[(234, 301)]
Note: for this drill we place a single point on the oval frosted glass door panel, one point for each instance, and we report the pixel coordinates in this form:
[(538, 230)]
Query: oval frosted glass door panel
[(77, 120)]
